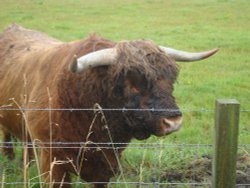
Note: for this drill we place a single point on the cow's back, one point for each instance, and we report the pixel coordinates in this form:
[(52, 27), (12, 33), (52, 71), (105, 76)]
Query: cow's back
[(21, 72), (21, 38)]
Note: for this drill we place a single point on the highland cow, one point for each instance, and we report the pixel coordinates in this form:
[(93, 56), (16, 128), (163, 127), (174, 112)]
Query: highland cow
[(42, 78)]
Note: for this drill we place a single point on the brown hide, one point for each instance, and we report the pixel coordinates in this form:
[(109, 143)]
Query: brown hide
[(34, 75), (31, 65)]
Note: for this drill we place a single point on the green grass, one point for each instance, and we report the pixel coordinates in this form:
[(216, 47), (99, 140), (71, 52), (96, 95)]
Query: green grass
[(189, 25)]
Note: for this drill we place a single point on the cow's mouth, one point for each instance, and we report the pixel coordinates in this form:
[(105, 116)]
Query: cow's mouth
[(141, 135), (168, 126), (138, 128)]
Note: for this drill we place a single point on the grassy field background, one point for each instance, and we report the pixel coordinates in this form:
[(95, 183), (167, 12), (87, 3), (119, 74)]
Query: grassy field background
[(193, 25)]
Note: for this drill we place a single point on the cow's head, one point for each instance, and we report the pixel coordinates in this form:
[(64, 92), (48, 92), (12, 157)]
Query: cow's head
[(144, 75)]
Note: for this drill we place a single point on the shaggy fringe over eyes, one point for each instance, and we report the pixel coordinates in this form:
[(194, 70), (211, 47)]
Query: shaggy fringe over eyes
[(144, 56)]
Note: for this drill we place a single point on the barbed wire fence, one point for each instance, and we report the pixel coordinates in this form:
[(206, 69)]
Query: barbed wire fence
[(189, 180)]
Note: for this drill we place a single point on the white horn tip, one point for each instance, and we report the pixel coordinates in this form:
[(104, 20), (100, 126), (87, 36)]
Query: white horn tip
[(211, 52), (188, 56)]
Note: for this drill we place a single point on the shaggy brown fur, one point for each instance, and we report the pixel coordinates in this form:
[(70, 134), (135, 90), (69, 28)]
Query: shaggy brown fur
[(34, 74)]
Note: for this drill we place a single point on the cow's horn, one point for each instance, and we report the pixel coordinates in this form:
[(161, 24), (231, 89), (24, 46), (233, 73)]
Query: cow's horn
[(187, 56), (94, 59)]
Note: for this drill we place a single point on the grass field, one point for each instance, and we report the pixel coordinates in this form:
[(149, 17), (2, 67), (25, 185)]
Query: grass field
[(193, 25)]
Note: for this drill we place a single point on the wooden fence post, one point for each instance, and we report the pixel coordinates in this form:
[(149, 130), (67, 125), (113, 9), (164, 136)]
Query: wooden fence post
[(225, 143)]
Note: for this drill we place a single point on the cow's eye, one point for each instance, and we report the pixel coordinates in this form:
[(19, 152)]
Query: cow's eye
[(136, 82)]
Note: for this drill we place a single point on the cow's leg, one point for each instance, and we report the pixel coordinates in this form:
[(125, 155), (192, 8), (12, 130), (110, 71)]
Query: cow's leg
[(30, 150), (7, 148), (27, 149), (97, 171), (60, 178), (55, 174)]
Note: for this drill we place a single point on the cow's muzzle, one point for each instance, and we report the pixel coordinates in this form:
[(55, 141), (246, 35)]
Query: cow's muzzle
[(168, 125)]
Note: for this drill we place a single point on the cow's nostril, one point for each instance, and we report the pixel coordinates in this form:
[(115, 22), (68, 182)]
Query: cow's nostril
[(167, 122), (169, 125)]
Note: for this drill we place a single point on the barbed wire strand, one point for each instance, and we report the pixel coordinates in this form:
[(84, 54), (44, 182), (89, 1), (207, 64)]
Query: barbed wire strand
[(115, 109), (136, 183), (107, 147), (118, 143)]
